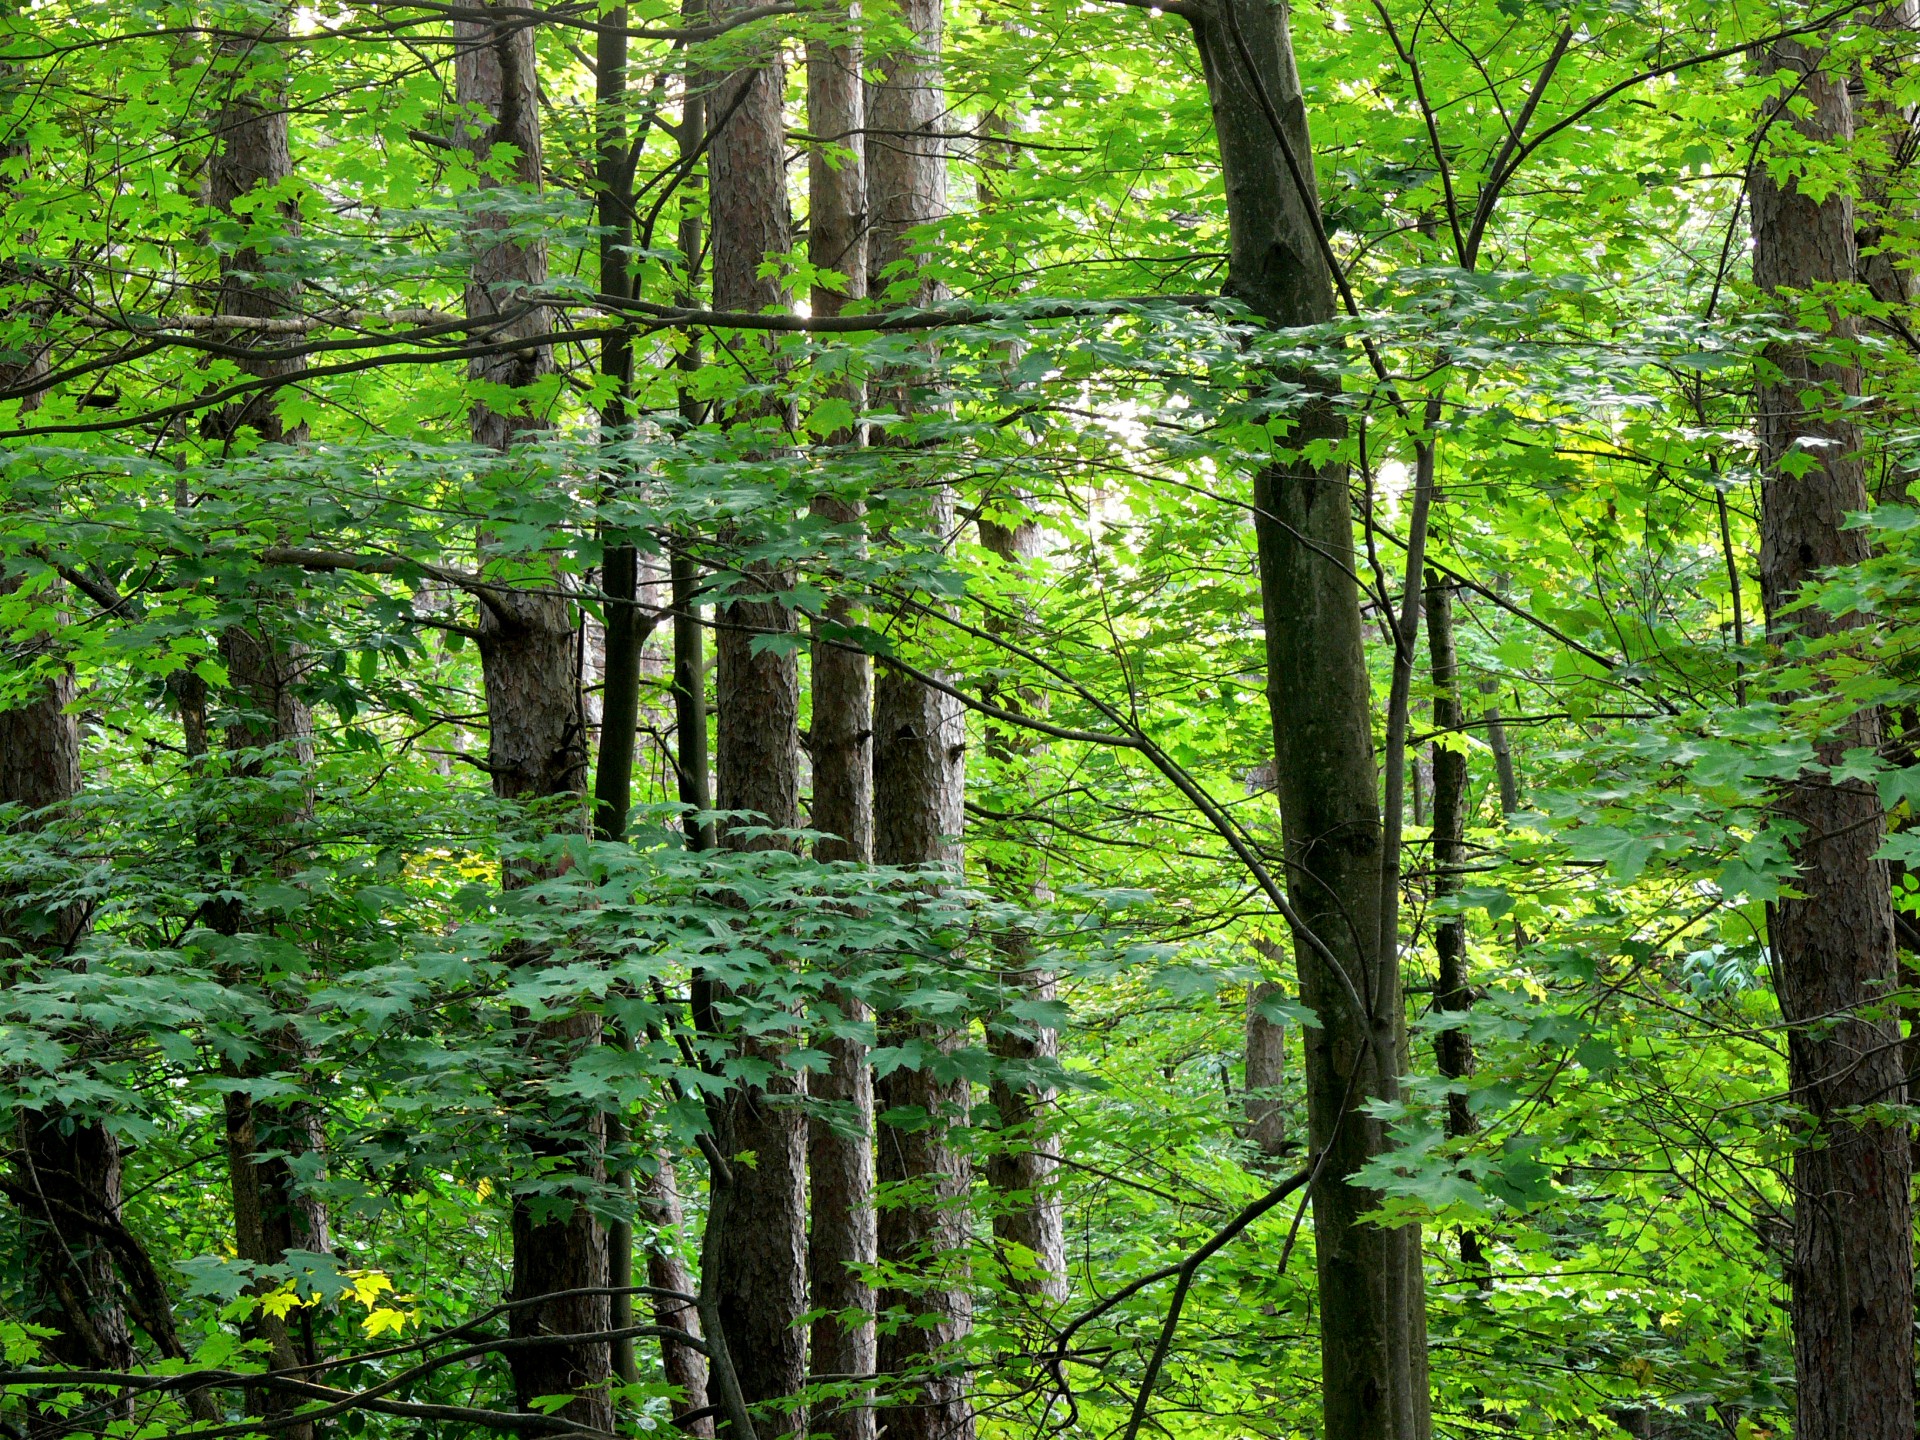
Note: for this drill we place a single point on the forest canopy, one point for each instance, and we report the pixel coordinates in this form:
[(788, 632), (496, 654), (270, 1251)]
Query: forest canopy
[(1048, 718)]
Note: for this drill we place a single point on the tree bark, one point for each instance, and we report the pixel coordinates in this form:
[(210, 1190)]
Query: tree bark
[(252, 152), (63, 1162), (762, 1266), (1317, 691), (1021, 1170), (536, 746), (1265, 1125), (919, 744), (1852, 1273), (1453, 1050), (841, 1242)]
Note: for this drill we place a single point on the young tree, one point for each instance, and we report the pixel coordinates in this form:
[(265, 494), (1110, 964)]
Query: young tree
[(1852, 1269), (1318, 692)]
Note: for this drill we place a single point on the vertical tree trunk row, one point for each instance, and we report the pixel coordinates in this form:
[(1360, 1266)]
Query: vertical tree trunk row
[(1852, 1273)]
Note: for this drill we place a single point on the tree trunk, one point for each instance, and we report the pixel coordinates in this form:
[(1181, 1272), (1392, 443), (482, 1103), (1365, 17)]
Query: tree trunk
[(1265, 1124), (1453, 1051), (63, 1163), (1852, 1273), (252, 151), (1027, 1218), (919, 743), (761, 1267), (536, 738), (1317, 690), (841, 1242)]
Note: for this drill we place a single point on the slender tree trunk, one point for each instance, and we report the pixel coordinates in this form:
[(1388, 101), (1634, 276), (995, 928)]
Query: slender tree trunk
[(1453, 1051), (536, 737), (1852, 1273), (841, 1241), (761, 1266), (1317, 690), (1265, 1056), (1027, 1217), (919, 744), (659, 1203)]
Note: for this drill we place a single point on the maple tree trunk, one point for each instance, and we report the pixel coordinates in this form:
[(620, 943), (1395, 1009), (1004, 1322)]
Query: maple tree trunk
[(1852, 1272), (536, 735), (841, 1238), (1318, 693), (761, 1265)]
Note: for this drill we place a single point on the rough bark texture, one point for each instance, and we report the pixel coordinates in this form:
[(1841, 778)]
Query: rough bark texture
[(1317, 690), (761, 1267), (666, 1270), (536, 737), (1021, 1170), (1852, 1273), (1266, 1070), (252, 152), (63, 1163), (842, 1236), (919, 746), (1453, 1051)]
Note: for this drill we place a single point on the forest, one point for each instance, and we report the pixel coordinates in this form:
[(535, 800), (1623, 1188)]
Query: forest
[(901, 720)]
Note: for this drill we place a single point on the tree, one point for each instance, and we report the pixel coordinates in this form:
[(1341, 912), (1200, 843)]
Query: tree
[(1852, 1267), (536, 742)]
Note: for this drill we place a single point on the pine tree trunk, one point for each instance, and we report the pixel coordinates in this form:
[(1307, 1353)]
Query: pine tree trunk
[(841, 1240), (1852, 1273), (919, 744), (1317, 690), (536, 736), (1021, 1169), (762, 1261)]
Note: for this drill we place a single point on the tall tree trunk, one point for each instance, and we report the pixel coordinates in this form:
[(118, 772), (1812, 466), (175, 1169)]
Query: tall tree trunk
[(1021, 1170), (253, 153), (1852, 1273), (1317, 690), (65, 1166), (536, 737), (761, 1267), (919, 743), (1451, 994), (841, 1241)]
